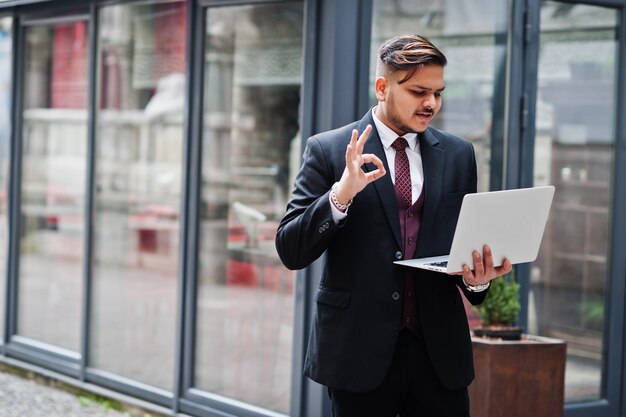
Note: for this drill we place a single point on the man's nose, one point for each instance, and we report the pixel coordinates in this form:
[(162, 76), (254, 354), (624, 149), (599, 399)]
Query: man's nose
[(429, 100)]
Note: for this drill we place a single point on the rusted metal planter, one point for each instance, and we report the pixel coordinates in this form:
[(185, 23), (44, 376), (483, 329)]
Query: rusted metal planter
[(524, 378)]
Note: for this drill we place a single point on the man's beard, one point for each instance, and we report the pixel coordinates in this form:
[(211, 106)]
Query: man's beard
[(401, 126)]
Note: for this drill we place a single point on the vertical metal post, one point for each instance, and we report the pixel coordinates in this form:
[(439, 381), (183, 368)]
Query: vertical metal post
[(190, 204), (90, 184), (15, 179), (617, 267)]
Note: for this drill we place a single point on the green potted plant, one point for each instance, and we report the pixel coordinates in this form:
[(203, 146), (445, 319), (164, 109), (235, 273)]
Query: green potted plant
[(500, 310)]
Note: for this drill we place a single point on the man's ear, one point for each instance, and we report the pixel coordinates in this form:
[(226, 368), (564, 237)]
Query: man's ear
[(380, 87)]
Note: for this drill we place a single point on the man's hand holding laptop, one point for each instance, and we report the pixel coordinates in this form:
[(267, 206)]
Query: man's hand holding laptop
[(512, 221), (483, 271)]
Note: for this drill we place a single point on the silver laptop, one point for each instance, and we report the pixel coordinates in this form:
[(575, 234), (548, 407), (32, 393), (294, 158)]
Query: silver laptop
[(511, 222)]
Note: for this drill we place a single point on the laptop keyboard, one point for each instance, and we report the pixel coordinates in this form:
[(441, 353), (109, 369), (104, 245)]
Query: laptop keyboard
[(441, 264)]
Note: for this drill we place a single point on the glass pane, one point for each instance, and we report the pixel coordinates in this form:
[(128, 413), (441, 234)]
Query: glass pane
[(472, 34), (140, 129), (251, 151), (574, 151), (6, 52), (54, 146)]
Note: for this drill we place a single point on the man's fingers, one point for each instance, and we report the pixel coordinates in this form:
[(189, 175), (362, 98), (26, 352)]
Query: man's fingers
[(506, 265), (483, 267), (479, 269), (380, 168), (370, 157), (349, 156), (468, 276), (374, 175), (351, 149), (487, 258), (504, 269), (355, 147), (354, 137), (360, 144)]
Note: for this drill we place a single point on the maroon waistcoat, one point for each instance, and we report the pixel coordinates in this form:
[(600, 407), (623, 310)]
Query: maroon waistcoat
[(410, 222)]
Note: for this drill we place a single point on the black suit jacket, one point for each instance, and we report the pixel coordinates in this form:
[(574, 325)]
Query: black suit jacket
[(358, 312)]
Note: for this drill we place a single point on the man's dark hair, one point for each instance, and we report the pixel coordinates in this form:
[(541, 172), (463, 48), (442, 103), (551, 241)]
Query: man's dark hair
[(408, 52)]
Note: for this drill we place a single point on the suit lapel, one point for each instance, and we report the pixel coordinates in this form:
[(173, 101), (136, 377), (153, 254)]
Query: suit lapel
[(433, 163), (384, 186)]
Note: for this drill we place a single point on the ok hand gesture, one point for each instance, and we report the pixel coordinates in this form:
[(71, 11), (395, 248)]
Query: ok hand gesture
[(354, 179)]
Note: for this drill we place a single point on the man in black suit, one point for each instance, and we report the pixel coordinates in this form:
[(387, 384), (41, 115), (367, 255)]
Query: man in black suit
[(386, 339)]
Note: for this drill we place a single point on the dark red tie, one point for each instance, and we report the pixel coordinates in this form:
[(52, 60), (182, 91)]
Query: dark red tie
[(403, 172)]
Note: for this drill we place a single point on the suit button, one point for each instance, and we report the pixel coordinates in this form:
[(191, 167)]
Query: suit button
[(398, 255), (410, 214), (395, 296), (411, 240), (321, 229)]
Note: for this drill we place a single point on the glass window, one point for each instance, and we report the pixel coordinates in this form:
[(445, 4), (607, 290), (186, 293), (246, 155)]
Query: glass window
[(139, 142), (6, 39), (574, 150), (472, 35), (251, 150), (54, 147)]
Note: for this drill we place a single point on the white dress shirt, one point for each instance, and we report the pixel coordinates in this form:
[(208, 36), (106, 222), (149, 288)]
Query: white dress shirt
[(387, 137)]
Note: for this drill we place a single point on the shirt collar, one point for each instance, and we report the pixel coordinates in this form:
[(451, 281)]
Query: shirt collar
[(388, 136)]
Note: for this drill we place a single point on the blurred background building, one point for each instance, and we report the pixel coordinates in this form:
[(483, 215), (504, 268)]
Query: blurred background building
[(147, 152)]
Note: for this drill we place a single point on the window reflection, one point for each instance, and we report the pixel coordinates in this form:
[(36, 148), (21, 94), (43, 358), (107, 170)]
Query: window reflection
[(251, 148), (54, 146), (5, 156), (574, 151), (472, 35), (141, 48)]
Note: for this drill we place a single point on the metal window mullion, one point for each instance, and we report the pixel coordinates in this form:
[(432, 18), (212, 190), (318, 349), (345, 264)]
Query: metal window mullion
[(190, 205), (302, 301), (15, 180), (89, 212), (617, 266), (528, 99), (365, 12), (13, 3), (500, 101), (519, 149), (6, 290), (52, 21)]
